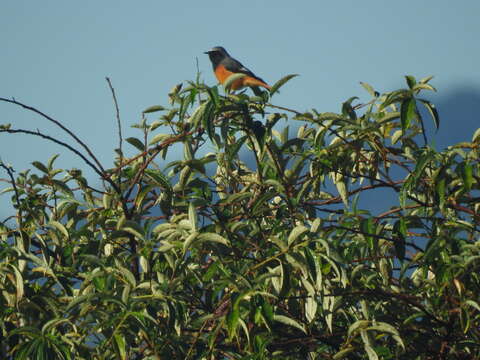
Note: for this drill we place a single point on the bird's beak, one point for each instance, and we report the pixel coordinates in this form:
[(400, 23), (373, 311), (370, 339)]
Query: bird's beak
[(207, 52)]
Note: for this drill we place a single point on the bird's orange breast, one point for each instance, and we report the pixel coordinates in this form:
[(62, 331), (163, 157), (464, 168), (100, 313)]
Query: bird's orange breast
[(222, 75)]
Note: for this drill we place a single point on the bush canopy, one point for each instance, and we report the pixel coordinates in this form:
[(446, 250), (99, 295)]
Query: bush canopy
[(273, 234)]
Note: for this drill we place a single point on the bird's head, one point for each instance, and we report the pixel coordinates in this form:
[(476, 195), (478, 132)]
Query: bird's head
[(217, 54)]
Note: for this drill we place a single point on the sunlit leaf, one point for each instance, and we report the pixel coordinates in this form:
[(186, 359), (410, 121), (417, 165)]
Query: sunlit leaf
[(410, 81), (433, 112), (296, 233), (159, 138), (212, 237), (289, 321), (408, 113), (153, 108), (60, 227), (281, 82), (369, 89), (40, 166), (136, 143), (119, 342)]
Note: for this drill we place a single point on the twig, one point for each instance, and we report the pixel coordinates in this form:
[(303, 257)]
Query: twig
[(119, 124), (15, 189), (56, 122), (394, 210), (69, 147), (284, 108)]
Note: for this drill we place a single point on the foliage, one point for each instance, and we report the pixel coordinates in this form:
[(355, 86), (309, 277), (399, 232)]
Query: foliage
[(348, 238)]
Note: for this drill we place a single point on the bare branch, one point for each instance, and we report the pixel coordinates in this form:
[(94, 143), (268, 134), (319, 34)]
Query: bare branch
[(119, 124), (60, 125)]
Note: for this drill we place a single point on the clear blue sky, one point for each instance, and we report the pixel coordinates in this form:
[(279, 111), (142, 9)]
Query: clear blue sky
[(55, 56)]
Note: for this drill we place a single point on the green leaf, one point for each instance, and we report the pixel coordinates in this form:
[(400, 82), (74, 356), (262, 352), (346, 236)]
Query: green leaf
[(426, 79), (198, 114), (160, 179), (296, 233), (466, 172), (473, 304), (267, 311), (347, 108), (341, 185), (232, 321), (136, 143), (60, 185), (237, 197), (422, 161), (155, 124), (59, 227), (387, 328), (233, 316), (311, 306), (410, 81), (40, 166), (417, 88), (476, 136), (212, 237), (127, 275), (281, 82), (153, 108), (52, 324), (366, 227), (208, 121), (372, 355), (289, 321), (369, 89), (51, 161), (394, 97), (135, 229), (400, 228), (119, 342), (383, 327), (357, 325), (312, 264), (440, 190), (262, 202), (408, 113), (139, 199), (343, 353), (433, 112), (192, 216), (396, 135), (19, 288), (159, 138)]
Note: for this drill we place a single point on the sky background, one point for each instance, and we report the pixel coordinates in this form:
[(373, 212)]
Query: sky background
[(55, 56)]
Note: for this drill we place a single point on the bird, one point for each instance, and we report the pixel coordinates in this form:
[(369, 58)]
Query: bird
[(224, 66)]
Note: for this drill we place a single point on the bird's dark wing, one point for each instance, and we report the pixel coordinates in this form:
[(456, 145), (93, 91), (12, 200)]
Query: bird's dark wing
[(236, 66)]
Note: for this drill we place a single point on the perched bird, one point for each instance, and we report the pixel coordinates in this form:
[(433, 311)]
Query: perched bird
[(224, 66)]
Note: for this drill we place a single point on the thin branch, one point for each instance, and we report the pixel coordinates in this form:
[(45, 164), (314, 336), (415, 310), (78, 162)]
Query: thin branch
[(284, 108), (423, 130), (56, 122), (338, 199), (69, 147), (15, 189), (119, 124), (395, 210), (380, 237)]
